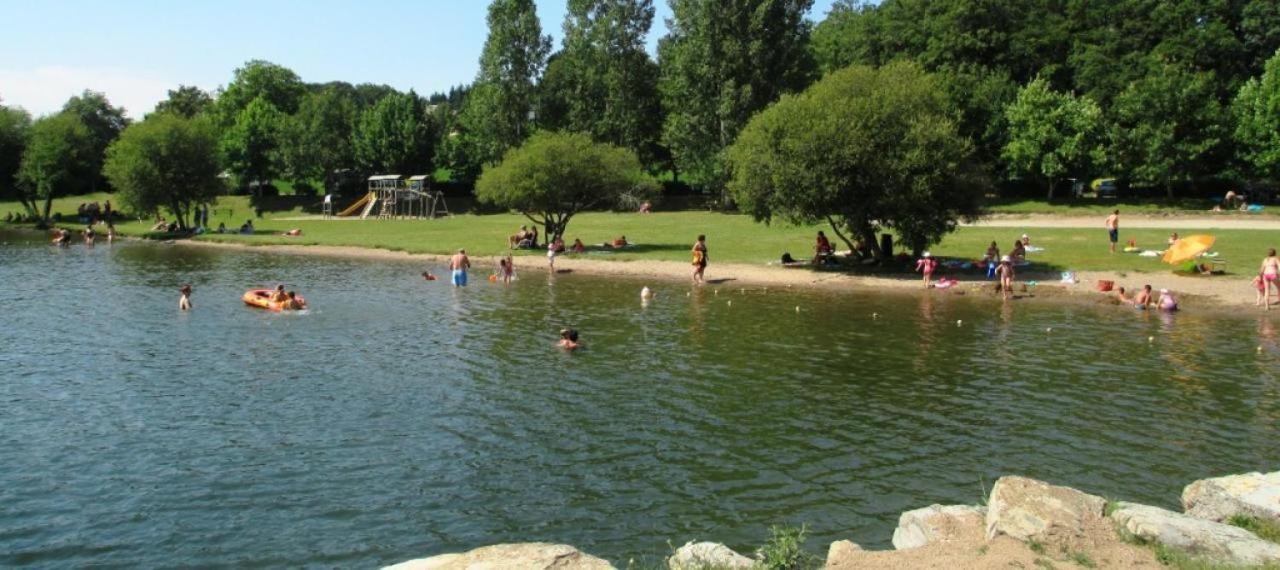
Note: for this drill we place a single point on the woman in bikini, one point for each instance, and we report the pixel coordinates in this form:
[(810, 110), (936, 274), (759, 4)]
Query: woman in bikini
[(699, 260), (1270, 272)]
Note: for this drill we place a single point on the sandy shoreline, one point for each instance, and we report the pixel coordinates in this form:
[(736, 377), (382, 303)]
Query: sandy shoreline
[(1192, 291)]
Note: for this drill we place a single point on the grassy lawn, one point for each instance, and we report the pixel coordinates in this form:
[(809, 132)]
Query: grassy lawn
[(668, 236)]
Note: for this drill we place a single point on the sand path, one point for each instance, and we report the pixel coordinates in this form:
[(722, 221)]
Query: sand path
[(1228, 221)]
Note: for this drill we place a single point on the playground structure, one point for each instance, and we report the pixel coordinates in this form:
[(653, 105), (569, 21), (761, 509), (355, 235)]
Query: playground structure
[(399, 199)]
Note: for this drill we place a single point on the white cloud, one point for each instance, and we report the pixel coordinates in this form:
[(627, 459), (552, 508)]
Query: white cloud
[(44, 90)]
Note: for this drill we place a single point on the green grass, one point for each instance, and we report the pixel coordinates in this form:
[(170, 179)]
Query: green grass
[(1083, 559), (668, 236), (1089, 206), (1036, 546), (1265, 529), (1179, 560)]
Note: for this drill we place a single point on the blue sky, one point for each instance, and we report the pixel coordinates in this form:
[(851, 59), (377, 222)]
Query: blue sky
[(135, 50)]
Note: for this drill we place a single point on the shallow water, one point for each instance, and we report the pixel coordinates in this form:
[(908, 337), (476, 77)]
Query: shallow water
[(400, 418)]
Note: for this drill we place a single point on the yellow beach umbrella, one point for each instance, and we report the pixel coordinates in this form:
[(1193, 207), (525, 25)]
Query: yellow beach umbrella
[(1187, 248)]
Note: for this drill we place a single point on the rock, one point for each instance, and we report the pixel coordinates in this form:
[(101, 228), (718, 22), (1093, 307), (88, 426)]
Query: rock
[(530, 555), (840, 550), (936, 523), (1220, 542), (701, 555), (1027, 509), (1218, 499)]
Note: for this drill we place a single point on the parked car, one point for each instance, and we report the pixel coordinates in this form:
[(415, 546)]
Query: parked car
[(1106, 188)]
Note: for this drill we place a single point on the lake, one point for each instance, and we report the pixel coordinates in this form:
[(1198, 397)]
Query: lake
[(400, 418)]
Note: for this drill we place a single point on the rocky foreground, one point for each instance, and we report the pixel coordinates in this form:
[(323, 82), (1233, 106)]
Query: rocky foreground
[(1025, 524)]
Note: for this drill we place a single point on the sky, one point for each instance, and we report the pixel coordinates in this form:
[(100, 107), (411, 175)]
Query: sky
[(136, 50)]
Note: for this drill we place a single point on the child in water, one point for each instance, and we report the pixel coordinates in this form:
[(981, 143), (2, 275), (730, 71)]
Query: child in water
[(926, 265), (184, 302), (1260, 287), (569, 339)]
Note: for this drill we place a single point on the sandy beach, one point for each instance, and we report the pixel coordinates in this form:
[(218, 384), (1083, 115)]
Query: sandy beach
[(1192, 291)]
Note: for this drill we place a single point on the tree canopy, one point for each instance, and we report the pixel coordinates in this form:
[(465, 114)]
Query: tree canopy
[(318, 138), (553, 176), (251, 146), (186, 100), (395, 136), (257, 79), (863, 149), (166, 161), (1052, 134), (105, 122), (720, 64), (15, 125), (1257, 119), (58, 146)]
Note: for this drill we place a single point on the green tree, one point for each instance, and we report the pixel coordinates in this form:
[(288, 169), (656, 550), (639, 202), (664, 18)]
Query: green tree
[(57, 149), (606, 80), (277, 85), (251, 146), (105, 122), (1052, 133), (1169, 128), (864, 150), (721, 63), (167, 161), (15, 125), (186, 100), (395, 136), (498, 111), (318, 138), (1257, 114), (554, 176)]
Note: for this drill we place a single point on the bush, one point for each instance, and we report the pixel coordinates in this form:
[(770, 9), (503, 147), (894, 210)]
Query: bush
[(785, 549)]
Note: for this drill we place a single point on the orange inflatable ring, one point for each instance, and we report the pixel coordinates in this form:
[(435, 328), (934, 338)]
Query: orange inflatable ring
[(261, 298)]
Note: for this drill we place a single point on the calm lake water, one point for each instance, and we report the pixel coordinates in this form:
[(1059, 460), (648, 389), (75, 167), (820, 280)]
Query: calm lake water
[(400, 418)]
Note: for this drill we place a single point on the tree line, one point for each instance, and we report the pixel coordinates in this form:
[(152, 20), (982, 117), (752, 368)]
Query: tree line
[(1159, 93)]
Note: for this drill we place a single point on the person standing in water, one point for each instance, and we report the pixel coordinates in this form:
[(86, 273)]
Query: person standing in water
[(569, 339), (1113, 229), (1270, 272), (926, 265), (459, 264), (184, 302), (1005, 271), (699, 260)]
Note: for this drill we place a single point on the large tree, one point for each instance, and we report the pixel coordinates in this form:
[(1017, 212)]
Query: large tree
[(606, 82), (1257, 114), (864, 150), (318, 138), (187, 101), (1052, 133), (57, 148), (15, 124), (554, 176), (498, 111), (721, 63), (258, 79), (1169, 127), (167, 161), (105, 122), (251, 146), (395, 136)]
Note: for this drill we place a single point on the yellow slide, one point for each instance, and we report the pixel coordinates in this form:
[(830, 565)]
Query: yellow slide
[(354, 208)]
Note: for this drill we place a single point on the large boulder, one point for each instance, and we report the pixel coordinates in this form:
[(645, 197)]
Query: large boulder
[(1027, 509), (1220, 498), (936, 523), (841, 550), (1220, 542), (704, 555), (524, 556)]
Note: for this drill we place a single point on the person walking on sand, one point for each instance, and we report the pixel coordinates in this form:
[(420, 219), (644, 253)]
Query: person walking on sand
[(926, 265), (1270, 272), (184, 302), (1113, 229), (699, 260), (458, 265), (1005, 271)]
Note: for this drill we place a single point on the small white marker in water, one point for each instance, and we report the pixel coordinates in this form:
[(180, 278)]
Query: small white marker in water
[(717, 291), (730, 303), (875, 315), (797, 308), (646, 293), (1151, 339), (1259, 349), (1048, 330), (688, 294), (959, 323)]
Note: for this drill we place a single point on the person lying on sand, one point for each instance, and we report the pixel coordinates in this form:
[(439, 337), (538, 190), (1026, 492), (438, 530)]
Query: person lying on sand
[(292, 233)]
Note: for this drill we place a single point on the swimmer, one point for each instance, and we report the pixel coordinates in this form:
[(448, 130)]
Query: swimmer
[(279, 296), (458, 265), (1143, 298), (569, 339), (1121, 296), (428, 276), (293, 302), (646, 293), (1260, 288), (89, 235), (926, 265), (184, 302), (1167, 302)]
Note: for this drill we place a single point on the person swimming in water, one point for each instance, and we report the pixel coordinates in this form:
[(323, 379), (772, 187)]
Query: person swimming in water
[(279, 296), (1167, 303), (293, 302), (184, 302), (569, 339), (1143, 298)]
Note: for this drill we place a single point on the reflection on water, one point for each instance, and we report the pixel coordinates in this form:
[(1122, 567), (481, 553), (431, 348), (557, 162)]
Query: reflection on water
[(401, 418)]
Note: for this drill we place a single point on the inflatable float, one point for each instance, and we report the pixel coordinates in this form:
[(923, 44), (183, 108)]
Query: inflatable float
[(261, 298)]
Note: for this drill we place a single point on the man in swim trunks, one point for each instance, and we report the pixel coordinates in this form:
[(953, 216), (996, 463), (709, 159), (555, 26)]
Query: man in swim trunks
[(1143, 298), (1113, 229), (459, 264)]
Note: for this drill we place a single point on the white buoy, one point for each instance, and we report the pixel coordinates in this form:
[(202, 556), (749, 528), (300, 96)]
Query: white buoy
[(688, 294), (1151, 339), (646, 293), (959, 323), (1259, 349), (875, 315), (743, 291), (1048, 330), (716, 291)]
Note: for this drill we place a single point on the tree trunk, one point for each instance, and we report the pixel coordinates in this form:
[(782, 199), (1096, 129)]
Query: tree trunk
[(1051, 185), (835, 228), (1168, 190), (48, 205), (869, 238)]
